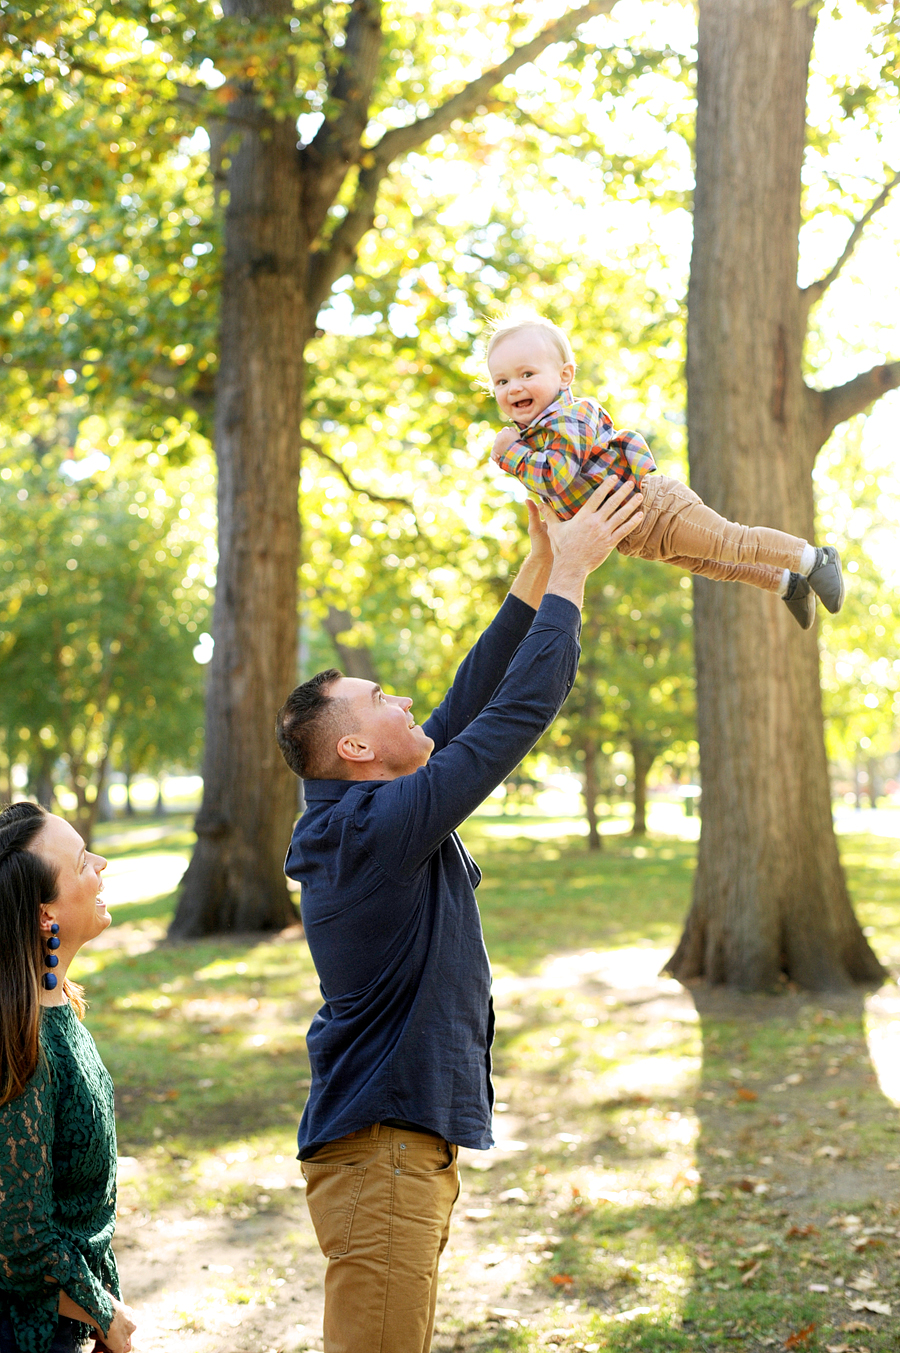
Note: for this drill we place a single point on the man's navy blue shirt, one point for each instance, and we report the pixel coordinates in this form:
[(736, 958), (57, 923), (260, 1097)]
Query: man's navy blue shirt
[(388, 898)]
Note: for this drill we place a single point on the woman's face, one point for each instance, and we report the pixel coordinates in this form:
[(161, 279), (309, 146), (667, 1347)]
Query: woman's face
[(77, 908)]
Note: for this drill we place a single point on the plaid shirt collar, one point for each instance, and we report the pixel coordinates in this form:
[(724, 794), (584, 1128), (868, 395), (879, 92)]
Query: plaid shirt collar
[(563, 400)]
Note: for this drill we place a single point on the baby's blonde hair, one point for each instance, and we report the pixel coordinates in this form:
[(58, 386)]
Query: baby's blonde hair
[(516, 321)]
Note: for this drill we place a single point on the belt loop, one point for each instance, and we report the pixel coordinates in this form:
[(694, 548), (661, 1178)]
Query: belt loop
[(374, 1131)]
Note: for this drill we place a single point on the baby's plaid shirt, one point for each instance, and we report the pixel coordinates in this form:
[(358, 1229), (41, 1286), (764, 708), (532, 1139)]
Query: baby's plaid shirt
[(570, 448)]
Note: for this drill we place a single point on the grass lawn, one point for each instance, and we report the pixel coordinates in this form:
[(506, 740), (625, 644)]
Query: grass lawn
[(677, 1170)]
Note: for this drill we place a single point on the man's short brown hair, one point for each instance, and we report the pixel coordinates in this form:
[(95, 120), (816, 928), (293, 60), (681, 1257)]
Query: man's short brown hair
[(308, 727)]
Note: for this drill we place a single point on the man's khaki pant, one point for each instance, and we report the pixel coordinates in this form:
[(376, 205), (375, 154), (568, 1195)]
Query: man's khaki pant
[(380, 1201), (680, 529)]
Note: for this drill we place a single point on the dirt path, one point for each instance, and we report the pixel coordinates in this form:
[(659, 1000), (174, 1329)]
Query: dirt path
[(250, 1281)]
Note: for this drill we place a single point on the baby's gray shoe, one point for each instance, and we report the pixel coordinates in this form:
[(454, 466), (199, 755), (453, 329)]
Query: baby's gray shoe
[(826, 579), (800, 600)]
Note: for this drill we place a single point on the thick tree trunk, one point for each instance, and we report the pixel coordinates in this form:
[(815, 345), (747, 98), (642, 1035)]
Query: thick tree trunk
[(590, 792), (235, 880), (643, 759), (770, 896)]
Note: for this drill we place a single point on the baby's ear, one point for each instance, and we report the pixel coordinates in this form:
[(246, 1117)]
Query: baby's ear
[(567, 375)]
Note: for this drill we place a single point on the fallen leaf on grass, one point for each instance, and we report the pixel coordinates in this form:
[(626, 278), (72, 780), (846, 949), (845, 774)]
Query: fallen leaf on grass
[(892, 1165), (478, 1213), (837, 1348), (795, 1078), (866, 1243), (743, 1093), (808, 1230), (513, 1196), (751, 1273), (819, 1287), (856, 1327), (800, 1337), (562, 1279), (833, 1152), (864, 1283), (876, 1307)]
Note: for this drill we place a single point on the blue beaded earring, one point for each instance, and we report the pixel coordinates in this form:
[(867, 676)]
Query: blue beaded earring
[(50, 957)]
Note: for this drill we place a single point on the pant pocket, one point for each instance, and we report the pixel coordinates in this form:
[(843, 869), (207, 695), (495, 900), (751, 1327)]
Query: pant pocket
[(425, 1160), (332, 1192)]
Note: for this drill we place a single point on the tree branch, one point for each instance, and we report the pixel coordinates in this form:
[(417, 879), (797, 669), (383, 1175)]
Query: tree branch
[(336, 145), (816, 290), (843, 401), (400, 140), (355, 488), (328, 264)]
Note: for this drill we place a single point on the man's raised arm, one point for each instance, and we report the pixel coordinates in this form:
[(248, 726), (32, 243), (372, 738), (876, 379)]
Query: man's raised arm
[(414, 813)]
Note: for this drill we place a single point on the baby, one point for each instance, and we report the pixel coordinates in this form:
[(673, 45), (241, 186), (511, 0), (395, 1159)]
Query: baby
[(562, 448)]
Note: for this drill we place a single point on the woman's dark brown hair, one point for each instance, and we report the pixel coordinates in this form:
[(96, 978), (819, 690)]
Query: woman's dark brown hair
[(27, 883)]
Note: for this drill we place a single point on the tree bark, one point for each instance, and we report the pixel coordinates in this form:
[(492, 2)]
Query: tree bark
[(282, 255), (643, 758), (770, 896), (590, 792), (235, 879)]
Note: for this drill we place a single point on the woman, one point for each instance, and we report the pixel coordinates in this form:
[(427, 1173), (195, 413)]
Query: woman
[(58, 1281)]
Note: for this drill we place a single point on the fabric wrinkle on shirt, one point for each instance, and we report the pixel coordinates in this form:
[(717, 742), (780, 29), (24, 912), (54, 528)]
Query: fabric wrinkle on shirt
[(568, 450)]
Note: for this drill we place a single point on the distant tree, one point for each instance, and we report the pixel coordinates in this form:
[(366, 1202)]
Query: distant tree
[(101, 596), (635, 685)]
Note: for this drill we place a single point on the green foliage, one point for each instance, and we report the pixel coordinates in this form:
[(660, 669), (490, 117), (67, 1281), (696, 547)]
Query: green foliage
[(103, 588), (860, 507)]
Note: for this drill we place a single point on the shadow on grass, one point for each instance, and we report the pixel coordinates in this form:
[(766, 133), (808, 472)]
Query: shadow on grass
[(676, 1196)]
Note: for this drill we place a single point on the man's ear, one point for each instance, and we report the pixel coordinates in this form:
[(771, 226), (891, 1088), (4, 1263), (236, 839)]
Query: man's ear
[(355, 748), (567, 375)]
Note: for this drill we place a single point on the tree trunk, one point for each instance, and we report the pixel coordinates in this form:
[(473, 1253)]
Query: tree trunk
[(356, 661), (770, 895), (590, 792), (643, 759), (129, 806), (235, 880), (160, 800)]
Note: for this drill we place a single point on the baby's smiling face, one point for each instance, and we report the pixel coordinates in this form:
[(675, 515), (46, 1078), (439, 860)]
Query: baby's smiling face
[(527, 373)]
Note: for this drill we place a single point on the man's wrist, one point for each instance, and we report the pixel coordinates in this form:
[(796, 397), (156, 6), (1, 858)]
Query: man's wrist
[(567, 580)]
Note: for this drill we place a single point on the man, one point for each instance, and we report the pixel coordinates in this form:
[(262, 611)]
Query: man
[(400, 1050)]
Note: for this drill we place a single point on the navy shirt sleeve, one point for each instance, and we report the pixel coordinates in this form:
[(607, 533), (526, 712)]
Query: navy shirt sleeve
[(480, 672), (402, 824)]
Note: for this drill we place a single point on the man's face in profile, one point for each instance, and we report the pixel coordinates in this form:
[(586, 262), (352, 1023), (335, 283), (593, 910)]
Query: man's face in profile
[(386, 741)]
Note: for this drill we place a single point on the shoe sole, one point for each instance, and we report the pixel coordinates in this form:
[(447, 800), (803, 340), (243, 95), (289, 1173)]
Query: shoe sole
[(831, 563)]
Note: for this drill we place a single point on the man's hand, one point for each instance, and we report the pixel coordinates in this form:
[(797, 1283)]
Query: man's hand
[(502, 442), (531, 582), (581, 544)]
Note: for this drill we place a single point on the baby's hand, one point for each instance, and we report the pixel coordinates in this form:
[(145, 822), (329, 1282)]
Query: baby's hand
[(502, 442)]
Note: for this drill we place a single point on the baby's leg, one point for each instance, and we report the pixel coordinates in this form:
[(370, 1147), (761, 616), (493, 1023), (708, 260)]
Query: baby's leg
[(767, 576), (685, 528)]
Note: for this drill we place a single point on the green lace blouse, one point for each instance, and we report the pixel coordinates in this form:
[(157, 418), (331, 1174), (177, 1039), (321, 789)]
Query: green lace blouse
[(58, 1186)]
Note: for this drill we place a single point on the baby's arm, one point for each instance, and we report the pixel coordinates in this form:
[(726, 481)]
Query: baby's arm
[(502, 442), (546, 464)]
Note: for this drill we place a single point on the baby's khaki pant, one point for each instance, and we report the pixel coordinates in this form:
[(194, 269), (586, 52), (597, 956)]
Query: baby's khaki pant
[(380, 1201), (680, 529)]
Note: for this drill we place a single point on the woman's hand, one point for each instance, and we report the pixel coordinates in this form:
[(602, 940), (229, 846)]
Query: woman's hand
[(117, 1338)]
